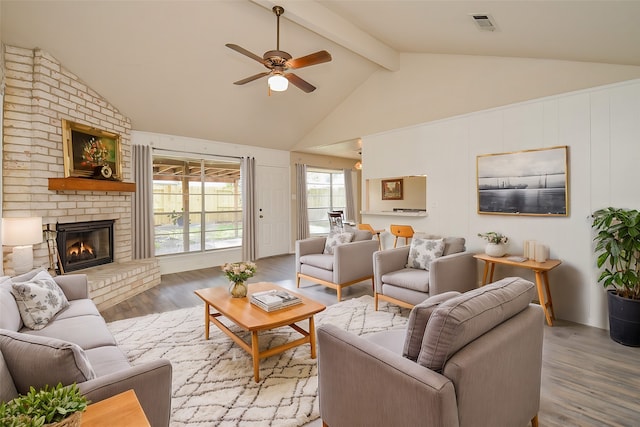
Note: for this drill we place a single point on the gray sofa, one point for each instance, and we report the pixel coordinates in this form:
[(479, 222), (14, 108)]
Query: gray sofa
[(464, 360), (76, 346), (455, 270)]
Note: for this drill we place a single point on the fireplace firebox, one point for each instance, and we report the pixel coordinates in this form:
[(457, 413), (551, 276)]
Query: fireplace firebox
[(84, 244)]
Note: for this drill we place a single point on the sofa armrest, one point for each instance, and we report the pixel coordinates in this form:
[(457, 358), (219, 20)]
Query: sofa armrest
[(74, 286), (455, 272), (384, 389), (151, 381), (387, 261), (312, 245), (353, 260)]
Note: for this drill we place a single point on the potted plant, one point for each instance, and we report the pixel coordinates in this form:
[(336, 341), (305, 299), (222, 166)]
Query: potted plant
[(495, 243), (618, 251), (57, 406), (238, 273)]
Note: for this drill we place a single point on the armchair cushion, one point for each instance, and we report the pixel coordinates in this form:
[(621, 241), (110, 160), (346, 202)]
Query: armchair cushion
[(36, 361), (39, 299), (417, 323), (323, 261), (335, 239), (461, 320), (423, 251), (410, 278)]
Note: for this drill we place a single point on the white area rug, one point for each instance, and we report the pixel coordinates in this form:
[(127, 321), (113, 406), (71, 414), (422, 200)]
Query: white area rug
[(213, 380)]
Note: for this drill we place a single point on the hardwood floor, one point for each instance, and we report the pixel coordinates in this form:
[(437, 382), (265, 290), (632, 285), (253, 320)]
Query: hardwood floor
[(587, 379), (176, 290)]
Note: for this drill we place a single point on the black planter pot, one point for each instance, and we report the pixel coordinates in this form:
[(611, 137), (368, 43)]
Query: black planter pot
[(624, 319)]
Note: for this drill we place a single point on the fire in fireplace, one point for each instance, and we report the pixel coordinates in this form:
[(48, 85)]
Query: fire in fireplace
[(84, 244)]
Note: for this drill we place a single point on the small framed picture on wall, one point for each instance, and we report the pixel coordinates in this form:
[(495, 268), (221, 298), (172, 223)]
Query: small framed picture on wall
[(392, 189)]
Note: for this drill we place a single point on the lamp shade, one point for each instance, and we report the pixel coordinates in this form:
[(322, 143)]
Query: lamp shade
[(278, 83), (21, 231)]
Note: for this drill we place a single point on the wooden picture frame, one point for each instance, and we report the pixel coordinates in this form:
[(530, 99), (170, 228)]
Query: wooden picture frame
[(531, 182), (392, 189), (88, 150)]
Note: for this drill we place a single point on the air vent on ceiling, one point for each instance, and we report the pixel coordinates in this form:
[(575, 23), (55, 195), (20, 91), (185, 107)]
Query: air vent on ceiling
[(484, 21)]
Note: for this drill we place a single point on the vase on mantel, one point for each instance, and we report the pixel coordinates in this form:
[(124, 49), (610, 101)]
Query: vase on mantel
[(495, 249), (238, 289)]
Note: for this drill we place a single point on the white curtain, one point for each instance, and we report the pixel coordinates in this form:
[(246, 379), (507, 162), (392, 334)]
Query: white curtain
[(248, 176), (142, 202), (350, 214), (302, 228)]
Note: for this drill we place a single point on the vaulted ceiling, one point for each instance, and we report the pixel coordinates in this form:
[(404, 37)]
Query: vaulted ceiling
[(164, 64)]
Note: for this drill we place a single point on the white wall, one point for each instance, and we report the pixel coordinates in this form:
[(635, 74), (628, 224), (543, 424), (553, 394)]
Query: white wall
[(431, 87), (600, 126), (179, 144)]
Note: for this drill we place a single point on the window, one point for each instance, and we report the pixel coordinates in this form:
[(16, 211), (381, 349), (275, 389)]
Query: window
[(197, 205), (325, 192)]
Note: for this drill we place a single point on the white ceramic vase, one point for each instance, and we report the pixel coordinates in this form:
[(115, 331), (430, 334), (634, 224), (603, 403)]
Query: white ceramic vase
[(495, 249)]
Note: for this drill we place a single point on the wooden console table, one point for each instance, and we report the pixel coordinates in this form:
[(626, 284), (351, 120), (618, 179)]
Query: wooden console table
[(539, 268), (121, 410)]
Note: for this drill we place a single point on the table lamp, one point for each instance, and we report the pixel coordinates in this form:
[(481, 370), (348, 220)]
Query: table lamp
[(22, 233)]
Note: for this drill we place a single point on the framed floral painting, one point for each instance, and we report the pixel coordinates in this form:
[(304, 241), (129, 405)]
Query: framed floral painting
[(90, 152)]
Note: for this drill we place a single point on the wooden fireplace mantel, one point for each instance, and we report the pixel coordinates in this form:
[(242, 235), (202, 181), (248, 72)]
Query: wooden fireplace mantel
[(87, 184)]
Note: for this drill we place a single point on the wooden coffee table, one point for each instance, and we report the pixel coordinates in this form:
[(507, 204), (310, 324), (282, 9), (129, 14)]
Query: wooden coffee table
[(251, 318)]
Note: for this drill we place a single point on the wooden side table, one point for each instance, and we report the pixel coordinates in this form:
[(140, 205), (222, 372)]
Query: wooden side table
[(539, 268), (121, 410)]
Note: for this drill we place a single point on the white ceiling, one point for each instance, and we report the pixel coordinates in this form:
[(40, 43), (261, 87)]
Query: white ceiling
[(164, 63)]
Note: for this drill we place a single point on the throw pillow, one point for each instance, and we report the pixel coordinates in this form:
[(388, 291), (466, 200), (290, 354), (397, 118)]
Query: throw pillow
[(9, 313), (25, 277), (336, 239), (423, 251), (457, 322), (417, 324), (39, 299), (35, 361)]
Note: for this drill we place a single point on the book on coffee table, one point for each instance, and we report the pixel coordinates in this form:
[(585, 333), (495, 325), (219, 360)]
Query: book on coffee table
[(274, 299)]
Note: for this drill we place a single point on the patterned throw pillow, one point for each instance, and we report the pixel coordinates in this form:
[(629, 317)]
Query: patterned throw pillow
[(336, 239), (39, 299), (423, 251)]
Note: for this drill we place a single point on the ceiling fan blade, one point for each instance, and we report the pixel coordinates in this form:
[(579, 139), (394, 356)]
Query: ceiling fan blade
[(312, 59), (244, 52), (299, 83), (252, 78)]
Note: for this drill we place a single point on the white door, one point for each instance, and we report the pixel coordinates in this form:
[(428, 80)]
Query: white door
[(272, 185)]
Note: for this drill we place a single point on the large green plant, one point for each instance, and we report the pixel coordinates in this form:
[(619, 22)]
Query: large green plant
[(40, 407), (618, 249)]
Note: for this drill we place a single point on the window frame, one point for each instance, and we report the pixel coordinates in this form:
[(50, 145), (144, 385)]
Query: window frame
[(208, 169)]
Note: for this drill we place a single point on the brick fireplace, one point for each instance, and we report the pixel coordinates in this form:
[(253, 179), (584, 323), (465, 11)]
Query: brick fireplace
[(39, 93), (84, 244)]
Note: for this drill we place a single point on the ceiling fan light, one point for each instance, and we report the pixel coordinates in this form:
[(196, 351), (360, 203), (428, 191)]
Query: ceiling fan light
[(278, 83)]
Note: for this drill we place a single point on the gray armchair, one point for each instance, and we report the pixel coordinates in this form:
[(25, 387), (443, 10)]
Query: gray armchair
[(349, 264), (471, 360), (455, 270)]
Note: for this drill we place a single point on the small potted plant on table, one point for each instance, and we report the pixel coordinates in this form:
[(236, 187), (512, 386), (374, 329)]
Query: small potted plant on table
[(495, 243), (618, 250), (51, 407)]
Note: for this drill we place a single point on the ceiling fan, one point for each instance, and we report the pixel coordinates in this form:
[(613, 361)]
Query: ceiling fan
[(279, 62)]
